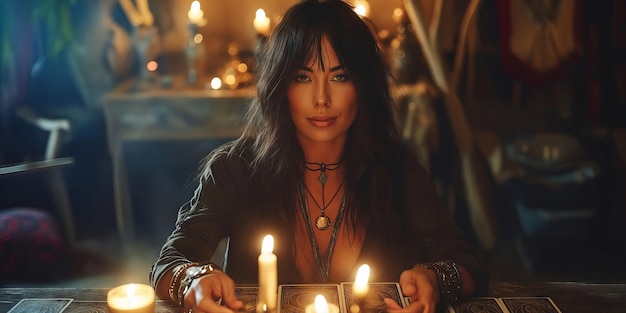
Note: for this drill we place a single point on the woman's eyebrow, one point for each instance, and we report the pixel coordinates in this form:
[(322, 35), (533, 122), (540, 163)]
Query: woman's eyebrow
[(332, 69)]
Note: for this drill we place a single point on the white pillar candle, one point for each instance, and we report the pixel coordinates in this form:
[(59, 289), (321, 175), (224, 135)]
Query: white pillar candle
[(131, 298), (321, 306), (268, 276)]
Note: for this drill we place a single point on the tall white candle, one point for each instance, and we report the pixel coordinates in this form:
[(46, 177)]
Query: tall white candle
[(261, 23), (268, 276), (131, 298)]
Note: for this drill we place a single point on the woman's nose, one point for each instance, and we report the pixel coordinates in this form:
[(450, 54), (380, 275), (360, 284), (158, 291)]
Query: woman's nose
[(321, 95)]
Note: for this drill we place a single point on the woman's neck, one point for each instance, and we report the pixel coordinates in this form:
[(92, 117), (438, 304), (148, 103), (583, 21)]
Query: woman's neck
[(326, 152)]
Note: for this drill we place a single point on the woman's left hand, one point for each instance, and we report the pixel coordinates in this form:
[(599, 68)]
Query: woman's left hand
[(420, 285)]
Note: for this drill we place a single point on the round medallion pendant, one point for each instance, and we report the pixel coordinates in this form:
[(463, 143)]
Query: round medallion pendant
[(322, 222)]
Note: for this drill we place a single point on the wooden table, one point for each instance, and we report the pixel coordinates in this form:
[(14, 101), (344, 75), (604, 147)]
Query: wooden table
[(179, 112), (569, 297)]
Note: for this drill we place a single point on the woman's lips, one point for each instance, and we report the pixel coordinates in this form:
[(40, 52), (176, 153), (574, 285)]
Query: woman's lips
[(322, 121)]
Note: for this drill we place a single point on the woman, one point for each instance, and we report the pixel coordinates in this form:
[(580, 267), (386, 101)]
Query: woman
[(319, 166)]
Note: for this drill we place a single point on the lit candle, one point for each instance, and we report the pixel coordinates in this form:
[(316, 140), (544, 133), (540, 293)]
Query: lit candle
[(261, 23), (131, 298), (360, 288), (268, 276), (321, 306), (195, 14), (216, 83), (362, 7)]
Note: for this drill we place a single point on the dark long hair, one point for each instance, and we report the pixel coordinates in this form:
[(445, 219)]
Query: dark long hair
[(277, 158)]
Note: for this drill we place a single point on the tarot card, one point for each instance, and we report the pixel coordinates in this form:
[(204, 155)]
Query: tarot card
[(478, 304), (295, 298), (43, 305), (248, 296), (530, 304), (87, 306), (377, 293)]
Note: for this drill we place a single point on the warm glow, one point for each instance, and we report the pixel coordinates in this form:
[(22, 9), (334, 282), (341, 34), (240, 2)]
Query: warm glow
[(321, 306), (216, 83), (398, 13), (152, 66), (195, 14), (362, 7), (197, 38), (268, 245), (360, 287), (242, 67), (261, 23), (131, 298)]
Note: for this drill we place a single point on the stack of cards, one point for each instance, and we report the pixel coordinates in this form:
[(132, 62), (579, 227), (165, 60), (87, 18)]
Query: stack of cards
[(295, 298), (505, 305)]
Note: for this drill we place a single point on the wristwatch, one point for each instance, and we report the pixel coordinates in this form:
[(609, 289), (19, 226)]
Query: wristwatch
[(191, 274)]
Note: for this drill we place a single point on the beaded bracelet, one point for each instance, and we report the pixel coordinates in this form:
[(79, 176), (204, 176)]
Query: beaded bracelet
[(448, 278), (177, 271)]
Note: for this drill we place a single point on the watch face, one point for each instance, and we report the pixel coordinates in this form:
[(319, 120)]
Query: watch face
[(192, 271)]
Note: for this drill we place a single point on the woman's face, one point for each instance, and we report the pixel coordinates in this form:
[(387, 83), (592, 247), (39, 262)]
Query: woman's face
[(322, 102)]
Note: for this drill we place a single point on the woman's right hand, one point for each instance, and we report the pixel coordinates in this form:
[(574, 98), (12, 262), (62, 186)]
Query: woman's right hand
[(205, 291)]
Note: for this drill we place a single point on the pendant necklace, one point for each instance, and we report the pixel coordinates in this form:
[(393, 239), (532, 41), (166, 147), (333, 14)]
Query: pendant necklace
[(323, 266), (323, 222)]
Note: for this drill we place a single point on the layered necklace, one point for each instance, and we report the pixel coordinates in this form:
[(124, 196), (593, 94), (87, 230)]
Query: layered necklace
[(322, 222), (322, 262)]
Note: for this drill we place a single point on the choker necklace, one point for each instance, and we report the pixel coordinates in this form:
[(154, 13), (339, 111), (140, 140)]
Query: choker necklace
[(322, 167), (323, 222)]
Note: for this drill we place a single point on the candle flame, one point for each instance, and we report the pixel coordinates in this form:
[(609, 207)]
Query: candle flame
[(268, 244), (260, 14), (362, 7), (362, 276), (195, 6), (321, 306), (216, 83), (130, 290)]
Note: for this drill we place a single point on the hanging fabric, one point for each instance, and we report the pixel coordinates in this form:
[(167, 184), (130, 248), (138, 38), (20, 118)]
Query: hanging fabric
[(539, 39)]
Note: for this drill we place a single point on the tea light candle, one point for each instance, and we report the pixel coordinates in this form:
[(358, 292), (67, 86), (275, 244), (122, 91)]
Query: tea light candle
[(321, 306), (131, 298), (261, 23), (268, 276), (360, 288)]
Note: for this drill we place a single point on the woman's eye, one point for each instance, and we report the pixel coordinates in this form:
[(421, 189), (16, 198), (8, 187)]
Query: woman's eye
[(341, 78), (302, 78)]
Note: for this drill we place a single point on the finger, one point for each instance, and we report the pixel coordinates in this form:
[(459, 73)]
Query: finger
[(208, 305), (229, 297), (391, 304), (407, 283)]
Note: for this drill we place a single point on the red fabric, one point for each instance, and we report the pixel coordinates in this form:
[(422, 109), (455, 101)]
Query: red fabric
[(30, 244), (520, 70)]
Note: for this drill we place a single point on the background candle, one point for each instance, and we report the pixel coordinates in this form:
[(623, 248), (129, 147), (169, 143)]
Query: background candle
[(268, 276), (261, 23), (195, 14), (131, 298)]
